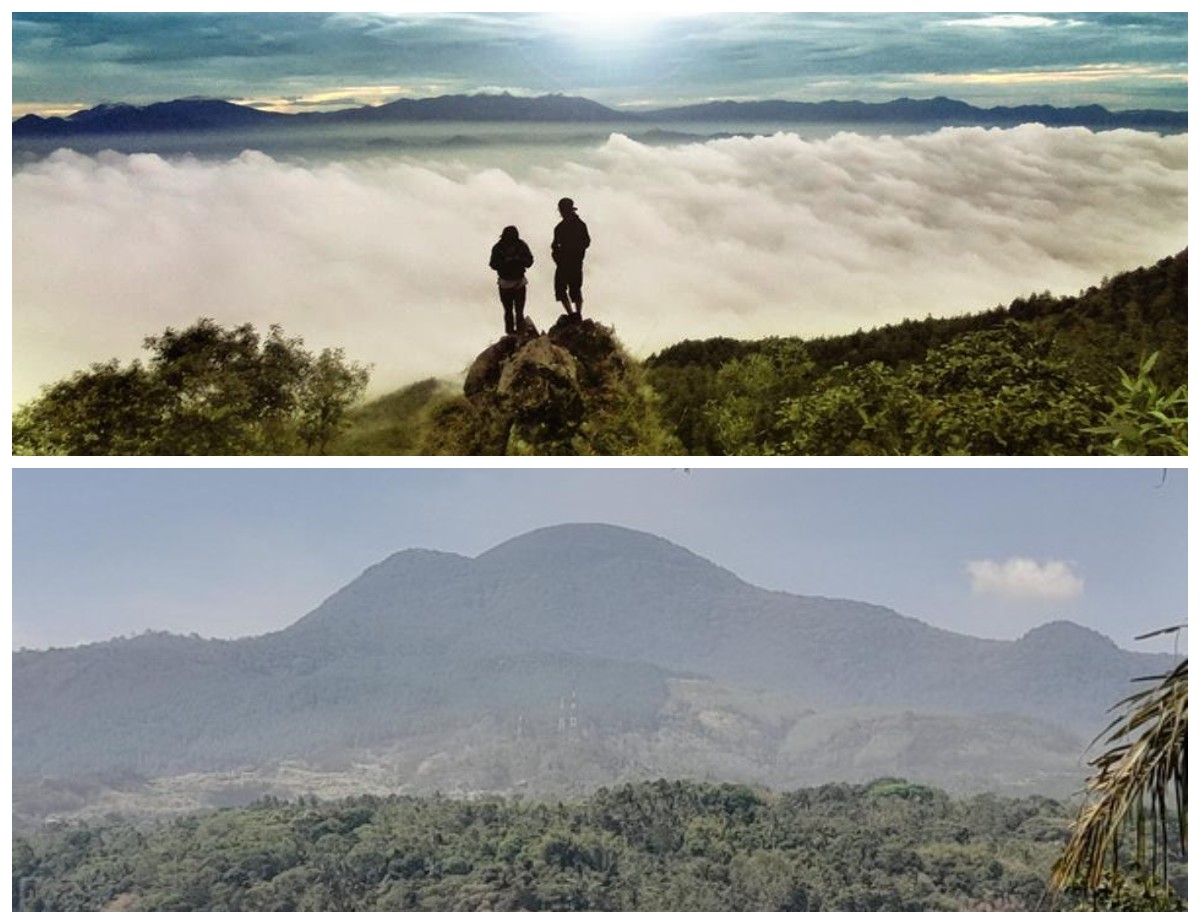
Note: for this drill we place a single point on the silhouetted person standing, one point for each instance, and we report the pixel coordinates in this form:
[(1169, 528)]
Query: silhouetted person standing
[(510, 258), (571, 241)]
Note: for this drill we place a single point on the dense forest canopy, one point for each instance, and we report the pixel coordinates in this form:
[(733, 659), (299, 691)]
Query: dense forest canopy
[(1101, 372), (656, 846)]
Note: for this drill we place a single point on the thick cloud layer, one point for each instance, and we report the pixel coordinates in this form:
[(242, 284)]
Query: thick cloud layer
[(743, 237)]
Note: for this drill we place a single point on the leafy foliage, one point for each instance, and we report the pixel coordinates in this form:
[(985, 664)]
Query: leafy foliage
[(747, 391), (994, 392), (1146, 420), (1038, 378), (655, 846), (204, 391)]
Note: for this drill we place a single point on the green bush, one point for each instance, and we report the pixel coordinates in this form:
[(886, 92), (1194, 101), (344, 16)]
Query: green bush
[(993, 392), (1145, 420), (204, 391)]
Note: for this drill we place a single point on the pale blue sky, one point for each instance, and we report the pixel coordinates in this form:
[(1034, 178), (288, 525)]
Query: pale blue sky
[(66, 61), (233, 552)]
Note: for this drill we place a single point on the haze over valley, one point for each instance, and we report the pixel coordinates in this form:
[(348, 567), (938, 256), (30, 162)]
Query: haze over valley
[(560, 708), (567, 658)]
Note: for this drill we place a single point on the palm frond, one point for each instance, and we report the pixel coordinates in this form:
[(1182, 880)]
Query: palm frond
[(1137, 782)]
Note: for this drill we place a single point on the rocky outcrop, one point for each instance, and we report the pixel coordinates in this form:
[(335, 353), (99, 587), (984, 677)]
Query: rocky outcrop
[(540, 388), (484, 374), (569, 391)]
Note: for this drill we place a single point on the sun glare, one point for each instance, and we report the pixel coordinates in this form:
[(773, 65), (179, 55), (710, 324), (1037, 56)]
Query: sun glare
[(612, 21), (612, 15)]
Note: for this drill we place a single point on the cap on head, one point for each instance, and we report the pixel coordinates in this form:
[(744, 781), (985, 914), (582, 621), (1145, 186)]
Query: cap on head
[(566, 205)]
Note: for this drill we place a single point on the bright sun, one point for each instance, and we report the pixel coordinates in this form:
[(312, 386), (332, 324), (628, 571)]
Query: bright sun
[(616, 16), (611, 23)]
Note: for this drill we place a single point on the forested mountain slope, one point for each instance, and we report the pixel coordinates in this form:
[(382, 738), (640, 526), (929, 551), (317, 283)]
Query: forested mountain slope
[(583, 645), (930, 386), (927, 387)]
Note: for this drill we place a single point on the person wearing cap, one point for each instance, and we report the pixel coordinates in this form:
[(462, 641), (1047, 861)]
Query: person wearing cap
[(510, 258), (571, 241)]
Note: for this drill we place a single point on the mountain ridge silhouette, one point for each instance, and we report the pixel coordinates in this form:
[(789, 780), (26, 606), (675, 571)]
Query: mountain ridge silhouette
[(201, 114)]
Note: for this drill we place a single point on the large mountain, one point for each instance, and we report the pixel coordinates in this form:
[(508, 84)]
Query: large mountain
[(188, 115), (573, 655)]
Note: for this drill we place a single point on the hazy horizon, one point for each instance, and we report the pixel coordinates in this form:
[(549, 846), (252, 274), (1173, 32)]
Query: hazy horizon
[(639, 116), (230, 553)]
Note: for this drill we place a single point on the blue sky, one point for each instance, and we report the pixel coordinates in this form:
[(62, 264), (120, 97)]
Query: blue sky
[(65, 61), (233, 552)]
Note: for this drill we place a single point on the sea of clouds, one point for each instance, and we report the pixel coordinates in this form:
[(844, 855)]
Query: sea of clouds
[(740, 237)]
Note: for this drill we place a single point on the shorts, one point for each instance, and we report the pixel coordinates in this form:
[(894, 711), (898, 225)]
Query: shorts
[(568, 281)]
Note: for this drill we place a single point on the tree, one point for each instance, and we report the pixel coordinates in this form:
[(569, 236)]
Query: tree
[(747, 392), (204, 391), (107, 410), (325, 394), (1138, 782)]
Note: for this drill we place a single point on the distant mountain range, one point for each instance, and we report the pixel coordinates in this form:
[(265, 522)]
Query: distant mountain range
[(192, 115), (571, 656)]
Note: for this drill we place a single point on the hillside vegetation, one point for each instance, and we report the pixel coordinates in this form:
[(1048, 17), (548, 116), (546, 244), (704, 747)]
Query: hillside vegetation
[(1102, 372), (661, 846), (1042, 376)]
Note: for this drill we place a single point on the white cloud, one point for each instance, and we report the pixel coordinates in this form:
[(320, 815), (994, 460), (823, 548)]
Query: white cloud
[(497, 90), (743, 237), (1024, 578), (1084, 73), (1011, 21)]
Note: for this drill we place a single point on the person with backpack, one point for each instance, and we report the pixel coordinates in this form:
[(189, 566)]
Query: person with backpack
[(510, 258), (571, 240)]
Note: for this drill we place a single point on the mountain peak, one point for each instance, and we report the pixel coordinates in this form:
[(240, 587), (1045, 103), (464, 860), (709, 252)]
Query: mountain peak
[(415, 561), (1062, 633), (585, 533), (574, 543)]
